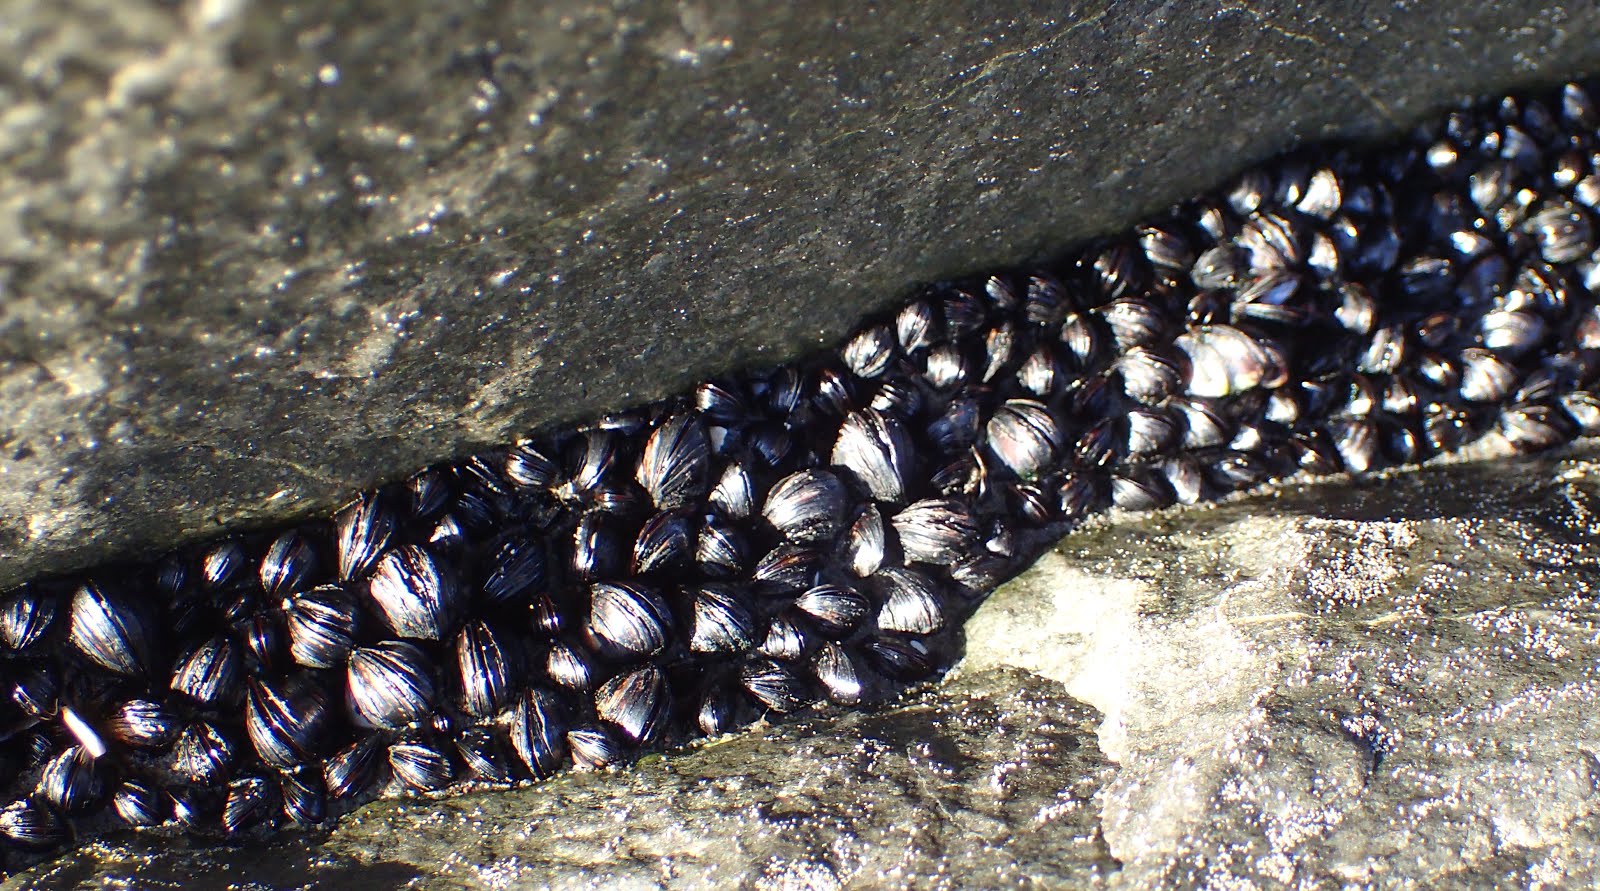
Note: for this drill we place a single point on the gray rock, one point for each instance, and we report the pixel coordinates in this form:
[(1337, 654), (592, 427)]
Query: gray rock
[(255, 258), (1380, 684)]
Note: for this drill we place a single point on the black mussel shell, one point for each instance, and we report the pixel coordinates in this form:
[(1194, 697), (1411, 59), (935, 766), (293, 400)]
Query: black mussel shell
[(203, 754), (114, 631), (837, 609), (774, 686), (25, 617), (290, 565), (250, 801), (354, 770), (420, 765), (539, 732), (636, 703), (675, 465), (627, 621), (288, 720), (485, 670), (363, 531), (415, 594), (517, 569), (593, 748), (137, 803), (322, 625), (390, 684), (877, 449), (73, 781), (211, 673), (807, 506)]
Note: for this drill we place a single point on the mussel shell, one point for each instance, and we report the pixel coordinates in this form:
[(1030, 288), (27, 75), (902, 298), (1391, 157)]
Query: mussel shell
[(836, 670), (250, 801), (627, 621), (480, 750), (287, 720), (666, 542), (73, 781), (936, 530), (675, 465), (143, 723), (517, 567), (485, 670), (111, 630), (636, 703), (203, 754), (837, 609), (25, 617), (355, 769), (1024, 437), (877, 449), (420, 765), (363, 531), (139, 804), (31, 823), (593, 748), (806, 506), (390, 684), (414, 594), (211, 673), (721, 620), (322, 625), (568, 666), (774, 686), (910, 601), (290, 564), (539, 732)]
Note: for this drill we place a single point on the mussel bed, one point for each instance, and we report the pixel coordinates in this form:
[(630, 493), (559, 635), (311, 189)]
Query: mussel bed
[(816, 532)]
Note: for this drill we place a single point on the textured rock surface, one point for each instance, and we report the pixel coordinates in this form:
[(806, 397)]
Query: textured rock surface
[(1388, 684), (256, 257), (1383, 684)]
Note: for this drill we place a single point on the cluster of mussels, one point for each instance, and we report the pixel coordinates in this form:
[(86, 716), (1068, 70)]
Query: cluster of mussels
[(815, 532)]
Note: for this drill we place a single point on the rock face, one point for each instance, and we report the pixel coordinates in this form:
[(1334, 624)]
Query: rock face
[(254, 258), (1379, 684), (1389, 684)]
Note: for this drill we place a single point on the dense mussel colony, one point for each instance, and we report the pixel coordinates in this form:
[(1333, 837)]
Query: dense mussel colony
[(815, 532)]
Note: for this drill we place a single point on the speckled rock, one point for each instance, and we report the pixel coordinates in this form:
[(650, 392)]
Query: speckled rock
[(1383, 684), (1389, 684), (255, 257)]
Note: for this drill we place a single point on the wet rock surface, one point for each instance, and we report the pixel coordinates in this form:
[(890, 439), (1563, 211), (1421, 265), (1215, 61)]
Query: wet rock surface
[(1381, 683), (1385, 684), (254, 258)]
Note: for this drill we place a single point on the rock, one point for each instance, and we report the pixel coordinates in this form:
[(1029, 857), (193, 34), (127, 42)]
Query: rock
[(254, 259), (1385, 683)]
